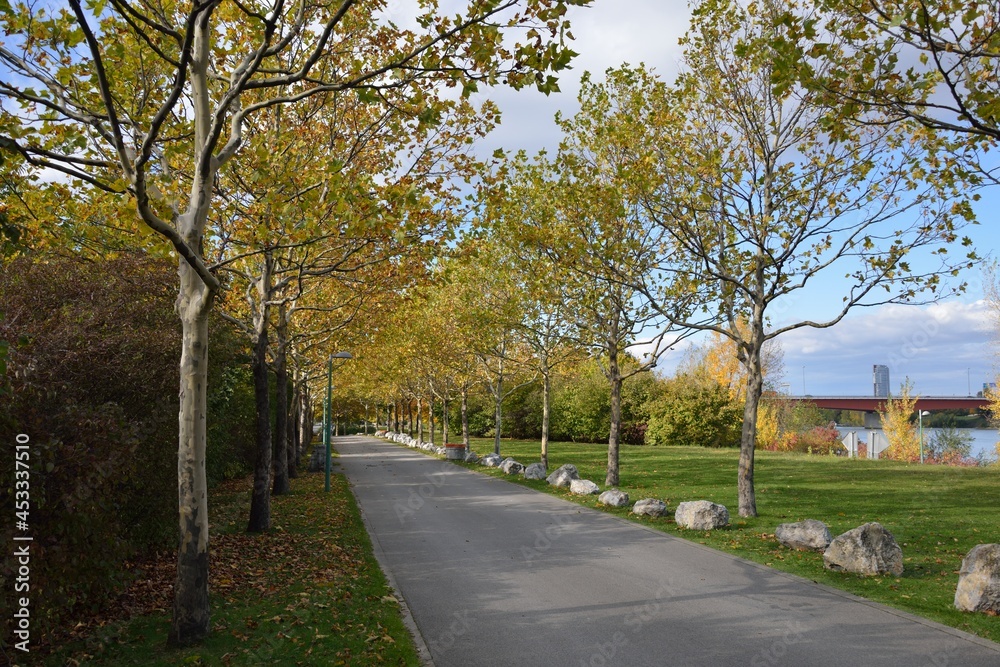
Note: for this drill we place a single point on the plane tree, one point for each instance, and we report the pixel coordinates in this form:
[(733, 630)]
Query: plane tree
[(582, 209), (489, 311), (546, 324), (765, 188), (933, 63)]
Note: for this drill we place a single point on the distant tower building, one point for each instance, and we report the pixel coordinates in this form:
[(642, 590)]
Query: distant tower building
[(880, 375)]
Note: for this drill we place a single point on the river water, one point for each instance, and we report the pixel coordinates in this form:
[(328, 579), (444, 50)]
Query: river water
[(983, 439)]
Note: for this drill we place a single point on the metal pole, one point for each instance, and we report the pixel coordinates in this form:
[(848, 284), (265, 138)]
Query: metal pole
[(920, 414), (329, 415)]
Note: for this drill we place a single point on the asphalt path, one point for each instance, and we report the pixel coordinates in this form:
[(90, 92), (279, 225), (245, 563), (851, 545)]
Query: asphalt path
[(493, 573)]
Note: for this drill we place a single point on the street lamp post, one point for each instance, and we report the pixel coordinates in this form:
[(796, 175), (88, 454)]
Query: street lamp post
[(920, 416), (328, 410)]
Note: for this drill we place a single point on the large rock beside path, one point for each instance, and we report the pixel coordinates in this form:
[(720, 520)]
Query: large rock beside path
[(471, 457), (701, 515), (808, 535), (535, 471), (511, 467), (867, 550), (650, 507), (317, 460), (583, 487), (613, 498), (563, 475), (979, 580), (491, 460)]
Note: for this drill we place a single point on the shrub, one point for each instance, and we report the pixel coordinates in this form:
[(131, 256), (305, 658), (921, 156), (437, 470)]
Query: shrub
[(694, 413), (950, 447), (91, 368), (816, 440)]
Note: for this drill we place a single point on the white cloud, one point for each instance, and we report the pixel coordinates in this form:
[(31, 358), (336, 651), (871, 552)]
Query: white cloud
[(607, 35), (945, 348)]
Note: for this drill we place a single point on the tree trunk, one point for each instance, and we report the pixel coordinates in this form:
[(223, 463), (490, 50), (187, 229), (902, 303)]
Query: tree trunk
[(192, 614), (465, 416), (305, 423), (614, 377), (546, 390), (444, 420), (420, 419), (281, 485), (497, 416), (409, 417), (293, 431), (292, 437), (748, 439), (430, 417), (260, 501)]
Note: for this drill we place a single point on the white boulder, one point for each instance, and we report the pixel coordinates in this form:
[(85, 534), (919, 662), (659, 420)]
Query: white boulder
[(867, 550), (491, 460), (979, 580), (511, 467), (701, 515), (808, 535), (613, 498), (563, 475), (649, 507), (535, 471), (583, 487)]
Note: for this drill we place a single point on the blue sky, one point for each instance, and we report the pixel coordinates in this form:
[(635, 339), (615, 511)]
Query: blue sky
[(945, 348)]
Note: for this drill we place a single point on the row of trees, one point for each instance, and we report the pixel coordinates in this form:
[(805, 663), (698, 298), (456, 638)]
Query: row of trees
[(793, 144), (267, 147)]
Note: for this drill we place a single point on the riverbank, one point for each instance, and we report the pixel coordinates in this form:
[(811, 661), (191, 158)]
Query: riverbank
[(984, 440)]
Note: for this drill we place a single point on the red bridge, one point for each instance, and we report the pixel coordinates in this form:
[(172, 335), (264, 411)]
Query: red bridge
[(875, 404)]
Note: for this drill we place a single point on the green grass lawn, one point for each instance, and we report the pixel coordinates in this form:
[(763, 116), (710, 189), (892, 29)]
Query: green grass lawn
[(936, 513), (308, 593)]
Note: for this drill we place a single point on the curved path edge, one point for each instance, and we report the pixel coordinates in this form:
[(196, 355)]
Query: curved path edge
[(494, 573)]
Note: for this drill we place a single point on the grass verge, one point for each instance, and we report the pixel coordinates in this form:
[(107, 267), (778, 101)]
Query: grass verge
[(936, 513), (310, 592)]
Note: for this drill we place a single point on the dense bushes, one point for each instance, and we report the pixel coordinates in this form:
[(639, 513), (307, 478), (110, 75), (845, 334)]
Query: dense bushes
[(693, 412), (815, 440), (92, 380)]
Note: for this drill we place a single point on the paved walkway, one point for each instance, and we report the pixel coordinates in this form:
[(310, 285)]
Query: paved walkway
[(496, 574)]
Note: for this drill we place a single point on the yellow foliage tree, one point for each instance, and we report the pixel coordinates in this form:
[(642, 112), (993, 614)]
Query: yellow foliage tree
[(717, 361), (904, 441), (769, 429)]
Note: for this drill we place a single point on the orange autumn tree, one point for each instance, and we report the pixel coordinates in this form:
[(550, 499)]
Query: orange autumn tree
[(717, 361)]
